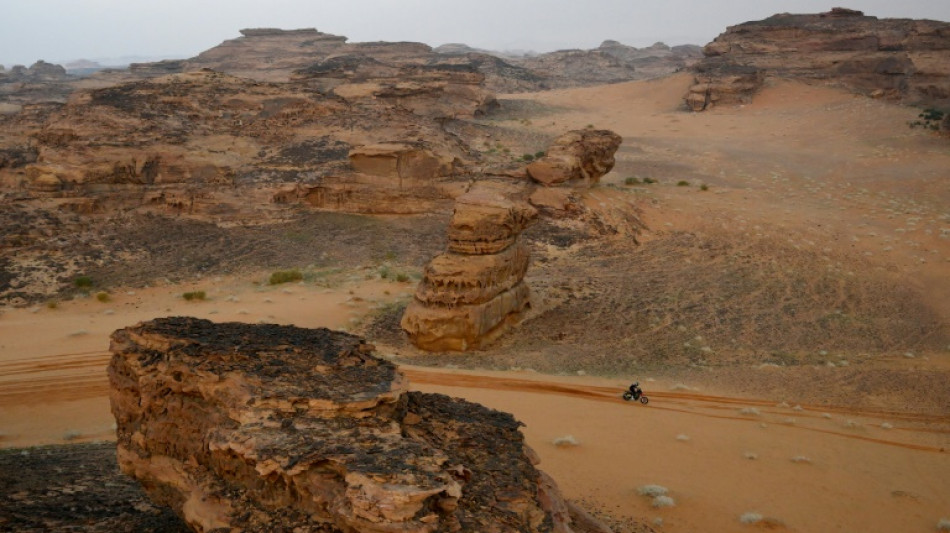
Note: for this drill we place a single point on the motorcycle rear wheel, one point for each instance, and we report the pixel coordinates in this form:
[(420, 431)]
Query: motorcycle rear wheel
[(644, 400)]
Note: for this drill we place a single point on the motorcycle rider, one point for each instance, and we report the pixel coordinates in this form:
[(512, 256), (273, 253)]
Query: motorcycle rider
[(635, 390)]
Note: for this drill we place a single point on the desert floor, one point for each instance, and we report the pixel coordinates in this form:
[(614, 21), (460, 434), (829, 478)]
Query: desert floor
[(829, 170)]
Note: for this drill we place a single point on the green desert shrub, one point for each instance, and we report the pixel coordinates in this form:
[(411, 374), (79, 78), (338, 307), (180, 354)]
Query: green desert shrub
[(82, 282), (682, 183), (649, 180), (929, 119), (528, 157), (704, 187), (632, 180), (194, 295), (539, 154), (103, 296), (284, 276)]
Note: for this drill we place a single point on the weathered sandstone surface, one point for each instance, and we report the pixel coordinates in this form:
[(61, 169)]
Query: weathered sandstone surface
[(276, 428), (473, 291), (438, 89), (578, 157), (901, 59)]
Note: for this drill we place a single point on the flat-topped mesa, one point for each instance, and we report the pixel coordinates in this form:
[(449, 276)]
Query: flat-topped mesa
[(576, 158), (268, 53), (276, 428), (901, 59), (471, 293), (277, 32)]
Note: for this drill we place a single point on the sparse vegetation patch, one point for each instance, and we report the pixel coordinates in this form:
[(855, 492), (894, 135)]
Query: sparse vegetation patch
[(929, 119), (194, 295), (285, 276)]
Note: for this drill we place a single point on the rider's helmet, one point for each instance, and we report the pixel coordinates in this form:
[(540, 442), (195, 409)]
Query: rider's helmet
[(636, 384)]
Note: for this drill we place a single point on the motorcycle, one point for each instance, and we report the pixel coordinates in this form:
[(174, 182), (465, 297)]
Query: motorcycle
[(638, 395)]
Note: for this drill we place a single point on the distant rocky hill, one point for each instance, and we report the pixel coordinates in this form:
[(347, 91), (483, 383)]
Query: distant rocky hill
[(900, 59), (275, 55), (40, 81), (611, 62)]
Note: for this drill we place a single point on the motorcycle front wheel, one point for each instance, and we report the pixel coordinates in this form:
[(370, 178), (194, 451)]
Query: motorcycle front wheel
[(627, 396), (644, 400)]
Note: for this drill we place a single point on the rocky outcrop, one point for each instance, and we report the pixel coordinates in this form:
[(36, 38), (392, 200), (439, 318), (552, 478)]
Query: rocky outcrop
[(409, 163), (41, 82), (472, 292), (268, 54), (228, 138), (721, 82), (276, 428), (612, 62), (903, 59), (576, 158), (435, 89), (37, 72)]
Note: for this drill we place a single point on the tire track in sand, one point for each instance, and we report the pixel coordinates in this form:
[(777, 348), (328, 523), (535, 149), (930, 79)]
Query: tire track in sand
[(691, 403), (73, 376)]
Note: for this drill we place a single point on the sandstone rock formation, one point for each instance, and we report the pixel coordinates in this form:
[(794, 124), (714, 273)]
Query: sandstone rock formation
[(401, 161), (903, 59), (612, 62), (42, 81), (721, 82), (39, 71), (276, 428), (472, 292), (578, 157), (437, 89), (220, 134)]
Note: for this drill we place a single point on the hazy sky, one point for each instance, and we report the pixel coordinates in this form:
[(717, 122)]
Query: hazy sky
[(63, 30)]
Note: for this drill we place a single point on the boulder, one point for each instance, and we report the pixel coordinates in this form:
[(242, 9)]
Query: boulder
[(263, 427), (578, 157), (488, 219)]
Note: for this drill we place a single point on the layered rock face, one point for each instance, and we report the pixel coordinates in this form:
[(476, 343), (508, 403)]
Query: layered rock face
[(276, 428), (438, 89), (903, 59), (473, 291), (42, 81), (721, 82), (215, 139), (401, 161), (578, 157)]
